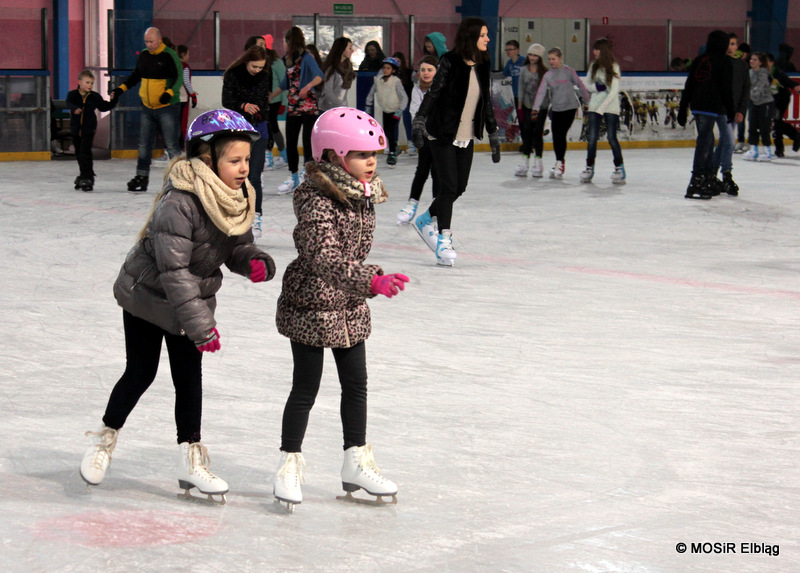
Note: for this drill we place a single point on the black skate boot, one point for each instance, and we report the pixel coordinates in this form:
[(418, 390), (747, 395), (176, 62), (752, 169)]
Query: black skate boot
[(698, 187), (77, 182), (84, 184), (730, 186), (715, 186), (391, 161), (138, 184)]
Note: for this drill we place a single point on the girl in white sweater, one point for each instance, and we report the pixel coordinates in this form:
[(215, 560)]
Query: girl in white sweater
[(603, 80)]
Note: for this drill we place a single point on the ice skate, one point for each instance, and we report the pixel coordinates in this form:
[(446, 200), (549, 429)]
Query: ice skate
[(426, 227), (751, 154), (764, 154), (522, 169), (98, 455), (193, 472), (557, 172), (618, 176), (411, 151), (698, 187), (587, 174), (406, 214), (445, 253), (257, 226), (280, 161), (269, 163), (288, 186), (391, 160), (538, 167), (84, 184), (138, 184), (739, 148), (729, 185), (290, 476), (359, 471), (796, 144), (77, 182)]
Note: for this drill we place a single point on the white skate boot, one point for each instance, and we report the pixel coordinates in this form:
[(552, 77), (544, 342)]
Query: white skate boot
[(557, 172), (587, 174), (522, 168), (406, 214), (538, 167), (751, 154), (427, 228), (193, 471), (360, 472), (291, 474), (98, 456)]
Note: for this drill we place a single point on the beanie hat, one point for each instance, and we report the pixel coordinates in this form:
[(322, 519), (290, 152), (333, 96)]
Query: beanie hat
[(537, 49), (268, 40)]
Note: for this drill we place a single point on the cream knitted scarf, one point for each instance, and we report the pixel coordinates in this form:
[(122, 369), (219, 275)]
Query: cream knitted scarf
[(227, 208)]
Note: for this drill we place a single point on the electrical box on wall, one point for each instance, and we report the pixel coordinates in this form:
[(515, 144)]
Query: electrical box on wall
[(567, 34)]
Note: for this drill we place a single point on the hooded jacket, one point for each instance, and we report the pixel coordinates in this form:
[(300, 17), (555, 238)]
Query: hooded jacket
[(439, 42), (323, 300), (444, 101), (170, 277), (709, 88)]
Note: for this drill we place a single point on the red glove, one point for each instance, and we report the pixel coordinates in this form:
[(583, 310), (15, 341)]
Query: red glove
[(388, 285), (282, 110), (211, 342), (194, 100), (258, 271)]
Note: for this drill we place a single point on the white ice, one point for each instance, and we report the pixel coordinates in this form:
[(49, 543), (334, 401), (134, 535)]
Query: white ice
[(608, 371)]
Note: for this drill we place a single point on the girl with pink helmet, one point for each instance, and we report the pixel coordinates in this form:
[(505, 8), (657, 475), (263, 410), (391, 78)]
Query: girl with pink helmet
[(323, 303)]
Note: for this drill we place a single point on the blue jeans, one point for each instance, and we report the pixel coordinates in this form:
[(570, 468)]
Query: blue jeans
[(592, 131), (704, 147), (723, 154), (166, 119)]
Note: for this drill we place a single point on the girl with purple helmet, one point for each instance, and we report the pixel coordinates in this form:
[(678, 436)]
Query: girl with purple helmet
[(323, 303), (200, 220)]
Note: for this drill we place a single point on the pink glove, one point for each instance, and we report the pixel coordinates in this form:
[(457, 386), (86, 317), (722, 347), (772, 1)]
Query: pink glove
[(258, 271), (388, 285), (211, 342)]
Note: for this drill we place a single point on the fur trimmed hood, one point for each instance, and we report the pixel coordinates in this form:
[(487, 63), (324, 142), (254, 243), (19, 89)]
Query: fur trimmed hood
[(336, 183)]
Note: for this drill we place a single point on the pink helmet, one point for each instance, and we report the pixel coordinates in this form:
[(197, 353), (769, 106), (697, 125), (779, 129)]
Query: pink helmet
[(345, 129)]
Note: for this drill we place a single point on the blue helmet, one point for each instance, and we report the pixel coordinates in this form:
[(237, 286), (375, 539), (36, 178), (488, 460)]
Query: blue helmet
[(216, 123), (392, 61)]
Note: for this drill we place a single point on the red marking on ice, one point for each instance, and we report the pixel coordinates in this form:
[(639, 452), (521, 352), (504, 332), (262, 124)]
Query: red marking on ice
[(725, 287), (126, 528)]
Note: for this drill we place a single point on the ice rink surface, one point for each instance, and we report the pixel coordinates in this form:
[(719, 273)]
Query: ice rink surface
[(607, 372)]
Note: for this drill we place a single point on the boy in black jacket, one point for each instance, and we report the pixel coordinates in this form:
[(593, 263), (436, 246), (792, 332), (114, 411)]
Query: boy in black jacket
[(709, 93), (82, 103)]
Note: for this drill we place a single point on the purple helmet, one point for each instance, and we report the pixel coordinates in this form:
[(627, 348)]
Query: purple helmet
[(392, 62), (217, 122), (345, 129)]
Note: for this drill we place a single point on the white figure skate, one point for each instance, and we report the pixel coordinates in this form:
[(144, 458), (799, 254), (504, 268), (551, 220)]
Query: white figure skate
[(359, 471), (291, 474), (98, 456), (193, 472)]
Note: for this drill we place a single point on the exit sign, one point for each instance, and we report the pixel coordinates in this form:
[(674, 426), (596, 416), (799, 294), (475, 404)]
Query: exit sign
[(342, 9)]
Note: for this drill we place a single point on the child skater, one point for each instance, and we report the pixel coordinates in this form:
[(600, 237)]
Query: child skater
[(187, 90), (604, 104), (323, 301), (200, 220), (392, 97), (761, 110), (427, 70), (560, 82), (532, 130), (82, 103)]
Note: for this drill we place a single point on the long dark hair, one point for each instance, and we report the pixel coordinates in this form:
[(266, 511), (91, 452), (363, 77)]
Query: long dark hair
[(295, 45), (254, 54), (466, 44), (605, 60), (334, 64)]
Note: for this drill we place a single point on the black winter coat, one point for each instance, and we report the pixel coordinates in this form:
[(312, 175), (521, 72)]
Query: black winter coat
[(240, 87), (709, 87), (444, 101), (85, 122)]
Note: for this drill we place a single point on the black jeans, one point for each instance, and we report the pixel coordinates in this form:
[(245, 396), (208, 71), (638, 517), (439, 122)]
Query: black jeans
[(760, 124), (533, 131), (142, 353), (294, 123), (258, 155), (451, 168), (424, 163), (390, 129), (351, 363), (560, 124), (274, 130), (83, 153)]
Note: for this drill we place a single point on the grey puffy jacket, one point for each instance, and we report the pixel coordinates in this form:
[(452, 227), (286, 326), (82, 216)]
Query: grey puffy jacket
[(170, 277)]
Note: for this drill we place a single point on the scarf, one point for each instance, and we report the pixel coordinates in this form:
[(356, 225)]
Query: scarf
[(353, 189), (227, 208)]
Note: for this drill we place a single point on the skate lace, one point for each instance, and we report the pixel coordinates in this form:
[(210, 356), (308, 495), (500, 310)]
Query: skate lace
[(107, 441), (409, 210), (367, 461), (199, 460), (295, 465)]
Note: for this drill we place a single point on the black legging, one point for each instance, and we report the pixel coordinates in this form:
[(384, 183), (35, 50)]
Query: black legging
[(533, 131), (294, 123), (274, 130), (451, 168), (351, 364), (560, 122), (257, 157), (424, 163), (142, 353)]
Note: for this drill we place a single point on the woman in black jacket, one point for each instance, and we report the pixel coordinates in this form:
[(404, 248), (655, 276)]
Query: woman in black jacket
[(456, 109), (245, 89)]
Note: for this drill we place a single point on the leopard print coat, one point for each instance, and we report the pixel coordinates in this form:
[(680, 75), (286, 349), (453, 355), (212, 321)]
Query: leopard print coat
[(323, 300)]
